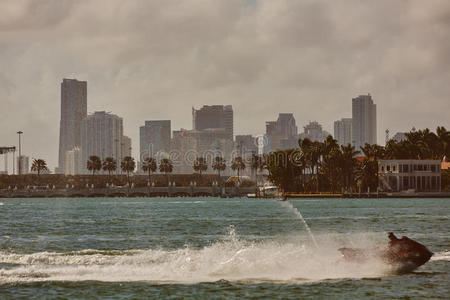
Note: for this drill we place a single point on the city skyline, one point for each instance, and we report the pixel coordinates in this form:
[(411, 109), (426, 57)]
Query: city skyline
[(255, 56)]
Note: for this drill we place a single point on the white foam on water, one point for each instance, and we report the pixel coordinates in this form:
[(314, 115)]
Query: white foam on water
[(445, 255), (232, 259)]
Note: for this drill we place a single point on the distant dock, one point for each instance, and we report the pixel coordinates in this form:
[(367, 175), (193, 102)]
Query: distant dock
[(129, 192)]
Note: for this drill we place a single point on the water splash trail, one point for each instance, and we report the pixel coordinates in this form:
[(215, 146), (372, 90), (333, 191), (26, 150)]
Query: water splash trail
[(299, 215)]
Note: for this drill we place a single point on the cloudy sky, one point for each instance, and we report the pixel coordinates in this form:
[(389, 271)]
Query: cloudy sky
[(156, 59)]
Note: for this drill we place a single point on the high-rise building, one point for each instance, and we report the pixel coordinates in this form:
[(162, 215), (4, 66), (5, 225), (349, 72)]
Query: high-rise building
[(187, 145), (399, 136), (281, 134), (364, 121), (74, 164), (23, 164), (73, 111), (126, 146), (214, 117), (246, 145), (314, 132), (154, 138), (102, 135), (343, 131)]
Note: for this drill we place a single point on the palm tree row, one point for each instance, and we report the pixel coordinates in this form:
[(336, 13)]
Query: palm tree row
[(109, 164), (150, 165)]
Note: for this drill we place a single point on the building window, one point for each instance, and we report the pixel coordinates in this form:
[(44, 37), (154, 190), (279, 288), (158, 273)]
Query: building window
[(433, 168), (388, 168), (405, 168), (393, 168), (382, 168)]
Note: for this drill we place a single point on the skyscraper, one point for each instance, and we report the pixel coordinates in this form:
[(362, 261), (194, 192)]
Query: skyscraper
[(73, 111), (282, 133), (154, 138), (213, 117), (102, 134), (126, 148), (343, 131), (364, 121), (314, 132)]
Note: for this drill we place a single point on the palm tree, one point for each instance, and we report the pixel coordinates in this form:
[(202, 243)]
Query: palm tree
[(219, 165), (366, 174), (444, 141), (149, 165), (306, 146), (94, 164), (38, 166), (128, 165), (256, 164), (109, 165), (348, 164), (373, 153), (238, 164), (329, 166), (200, 165), (166, 166)]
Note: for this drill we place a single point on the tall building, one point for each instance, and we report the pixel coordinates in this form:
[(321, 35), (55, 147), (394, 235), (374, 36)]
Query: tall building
[(126, 146), (154, 138), (187, 145), (314, 132), (73, 111), (74, 163), (282, 133), (213, 117), (399, 136), (102, 135), (364, 121), (23, 164), (343, 131), (246, 145)]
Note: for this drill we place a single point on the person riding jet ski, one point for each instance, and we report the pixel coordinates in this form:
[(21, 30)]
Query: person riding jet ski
[(404, 255)]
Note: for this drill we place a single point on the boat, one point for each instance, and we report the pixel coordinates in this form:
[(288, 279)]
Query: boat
[(403, 255), (269, 191)]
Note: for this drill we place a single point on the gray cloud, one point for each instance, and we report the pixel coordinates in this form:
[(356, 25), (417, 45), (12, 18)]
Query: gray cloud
[(156, 59)]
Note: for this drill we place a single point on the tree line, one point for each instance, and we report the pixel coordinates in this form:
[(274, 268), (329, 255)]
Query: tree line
[(327, 167), (312, 167)]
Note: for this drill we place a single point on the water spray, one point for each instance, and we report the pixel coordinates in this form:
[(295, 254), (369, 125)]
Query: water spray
[(299, 215)]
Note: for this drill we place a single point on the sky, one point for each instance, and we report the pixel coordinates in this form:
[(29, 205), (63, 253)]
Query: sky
[(147, 60)]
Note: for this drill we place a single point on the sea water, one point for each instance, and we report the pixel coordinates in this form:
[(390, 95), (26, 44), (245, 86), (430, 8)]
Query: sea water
[(213, 247)]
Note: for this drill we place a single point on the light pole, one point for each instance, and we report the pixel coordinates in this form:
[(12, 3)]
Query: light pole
[(14, 161), (20, 154), (117, 155), (121, 156)]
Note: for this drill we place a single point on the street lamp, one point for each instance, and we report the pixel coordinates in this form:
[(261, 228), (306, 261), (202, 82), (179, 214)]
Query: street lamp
[(20, 153), (117, 155)]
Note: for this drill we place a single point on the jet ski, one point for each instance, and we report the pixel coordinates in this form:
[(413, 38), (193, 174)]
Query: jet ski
[(403, 255)]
